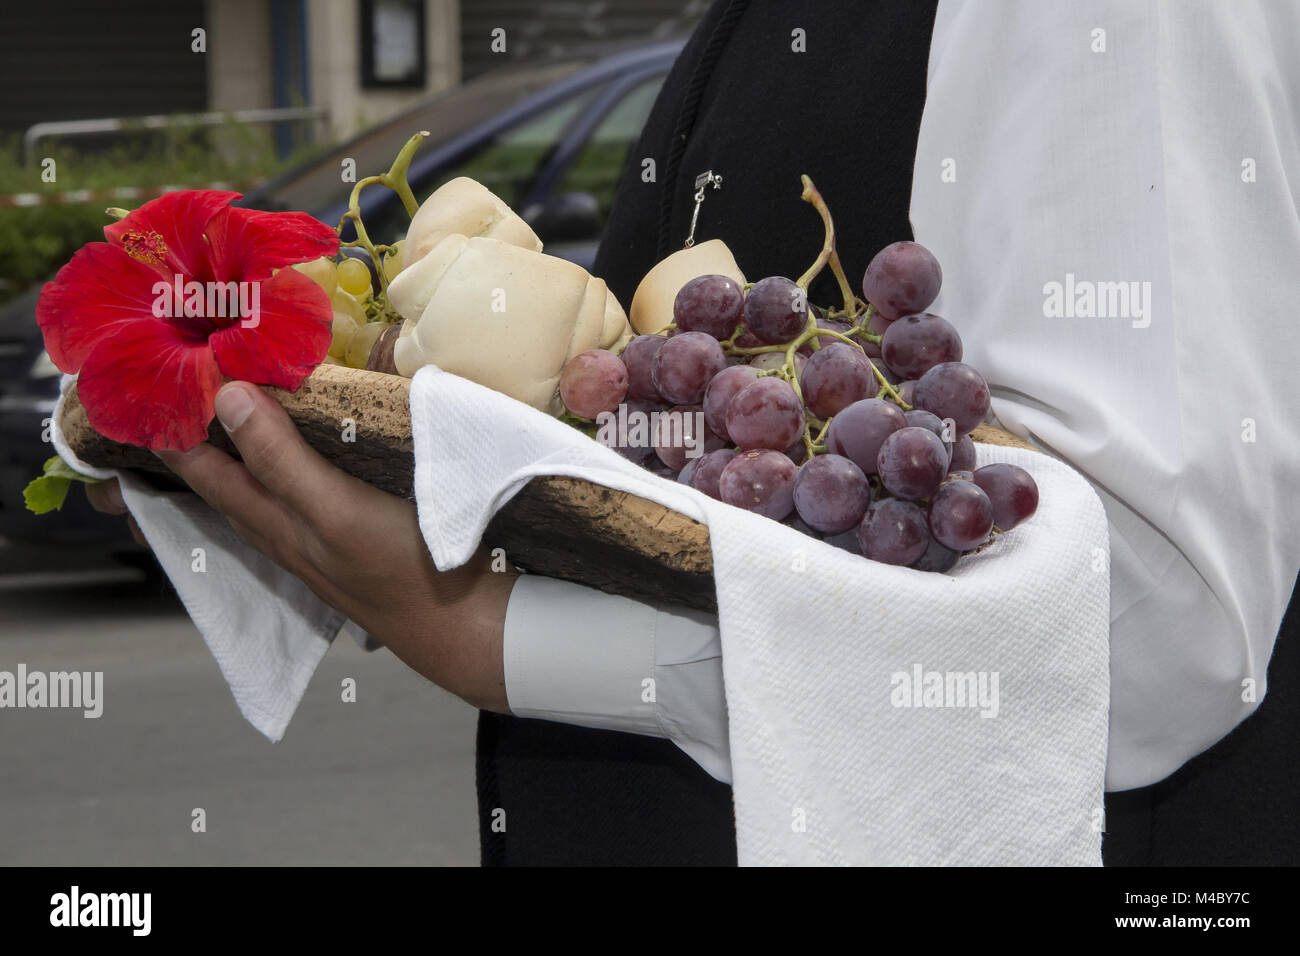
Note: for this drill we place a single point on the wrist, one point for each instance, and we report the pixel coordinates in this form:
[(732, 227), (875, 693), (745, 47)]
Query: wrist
[(480, 633)]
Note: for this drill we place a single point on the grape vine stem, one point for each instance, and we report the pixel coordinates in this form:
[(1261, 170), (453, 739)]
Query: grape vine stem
[(394, 179), (828, 254)]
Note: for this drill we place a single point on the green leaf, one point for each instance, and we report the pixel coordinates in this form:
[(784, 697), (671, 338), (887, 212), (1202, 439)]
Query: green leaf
[(50, 490), (46, 493)]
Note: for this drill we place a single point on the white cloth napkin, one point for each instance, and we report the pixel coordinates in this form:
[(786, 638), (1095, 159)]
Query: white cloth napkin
[(827, 767), (265, 628)]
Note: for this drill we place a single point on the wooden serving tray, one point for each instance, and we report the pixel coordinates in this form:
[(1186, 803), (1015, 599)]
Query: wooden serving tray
[(561, 527)]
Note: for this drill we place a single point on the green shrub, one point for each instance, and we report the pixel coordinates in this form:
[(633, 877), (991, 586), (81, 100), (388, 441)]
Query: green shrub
[(36, 240)]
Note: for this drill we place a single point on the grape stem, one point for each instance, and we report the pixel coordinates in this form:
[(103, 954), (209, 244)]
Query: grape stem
[(755, 350), (887, 388), (584, 425), (860, 329), (856, 311), (850, 300), (394, 179), (810, 194), (828, 254)]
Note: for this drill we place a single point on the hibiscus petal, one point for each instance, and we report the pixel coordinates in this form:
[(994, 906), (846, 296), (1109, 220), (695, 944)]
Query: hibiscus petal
[(178, 220), (251, 244), (290, 337), (150, 385), (100, 290)]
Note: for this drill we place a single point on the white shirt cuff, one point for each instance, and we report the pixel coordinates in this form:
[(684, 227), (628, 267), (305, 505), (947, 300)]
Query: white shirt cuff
[(580, 656)]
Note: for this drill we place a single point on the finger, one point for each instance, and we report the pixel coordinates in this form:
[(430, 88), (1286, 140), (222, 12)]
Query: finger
[(275, 547), (225, 484), (136, 533), (106, 496), (255, 514), (274, 451)]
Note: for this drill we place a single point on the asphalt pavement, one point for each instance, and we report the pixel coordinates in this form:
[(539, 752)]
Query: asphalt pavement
[(387, 779)]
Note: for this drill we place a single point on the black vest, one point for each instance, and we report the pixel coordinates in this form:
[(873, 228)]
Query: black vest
[(740, 101)]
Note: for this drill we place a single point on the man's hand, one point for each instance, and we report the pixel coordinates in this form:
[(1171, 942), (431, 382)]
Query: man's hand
[(358, 549)]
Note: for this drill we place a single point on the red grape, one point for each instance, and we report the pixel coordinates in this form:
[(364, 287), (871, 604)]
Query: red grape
[(766, 361), (711, 304), (831, 493), (1012, 492), (684, 476), (684, 365), (893, 532), (794, 521), (923, 419), (708, 469), (638, 355), (632, 436), (682, 435), (834, 325), (954, 390), (761, 481), (845, 541), (912, 463), (766, 414), (776, 309), (936, 558), (593, 382), (876, 325), (904, 277), (721, 390), (963, 455), (835, 377), (917, 343), (858, 431), (890, 376), (961, 515)]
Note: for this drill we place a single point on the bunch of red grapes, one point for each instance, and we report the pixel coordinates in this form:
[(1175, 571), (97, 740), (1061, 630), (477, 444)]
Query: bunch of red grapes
[(853, 427)]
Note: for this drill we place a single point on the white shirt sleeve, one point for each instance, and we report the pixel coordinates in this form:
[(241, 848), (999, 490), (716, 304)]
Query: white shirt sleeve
[(1112, 189), (580, 656)]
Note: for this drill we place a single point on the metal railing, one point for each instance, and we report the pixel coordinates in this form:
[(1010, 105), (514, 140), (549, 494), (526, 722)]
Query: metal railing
[(173, 121)]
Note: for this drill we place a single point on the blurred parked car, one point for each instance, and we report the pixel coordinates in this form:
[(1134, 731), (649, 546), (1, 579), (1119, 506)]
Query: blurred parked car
[(550, 139)]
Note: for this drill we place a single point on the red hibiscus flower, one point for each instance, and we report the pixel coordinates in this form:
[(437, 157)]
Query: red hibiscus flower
[(187, 291)]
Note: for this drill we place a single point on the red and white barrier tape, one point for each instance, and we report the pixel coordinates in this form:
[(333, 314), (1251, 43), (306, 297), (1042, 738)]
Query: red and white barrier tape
[(107, 195)]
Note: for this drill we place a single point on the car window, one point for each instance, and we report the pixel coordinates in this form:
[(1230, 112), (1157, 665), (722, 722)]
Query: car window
[(507, 164), (597, 166), (316, 185)]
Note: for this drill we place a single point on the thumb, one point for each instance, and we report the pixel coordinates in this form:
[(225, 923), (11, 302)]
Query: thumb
[(272, 448)]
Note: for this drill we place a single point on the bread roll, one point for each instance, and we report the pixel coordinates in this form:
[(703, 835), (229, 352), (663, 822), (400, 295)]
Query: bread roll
[(503, 316), (652, 305)]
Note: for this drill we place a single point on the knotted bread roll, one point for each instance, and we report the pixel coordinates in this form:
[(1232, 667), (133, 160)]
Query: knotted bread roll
[(503, 316)]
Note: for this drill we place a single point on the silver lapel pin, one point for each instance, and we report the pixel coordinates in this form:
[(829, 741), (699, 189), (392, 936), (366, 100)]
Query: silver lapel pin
[(702, 181)]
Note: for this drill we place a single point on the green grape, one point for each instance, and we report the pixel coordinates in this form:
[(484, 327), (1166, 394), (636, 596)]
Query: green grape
[(343, 302), (322, 272), (354, 277), (341, 332), (362, 341)]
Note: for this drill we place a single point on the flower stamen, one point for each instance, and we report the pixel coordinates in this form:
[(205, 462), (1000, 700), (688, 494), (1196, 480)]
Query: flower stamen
[(149, 247)]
